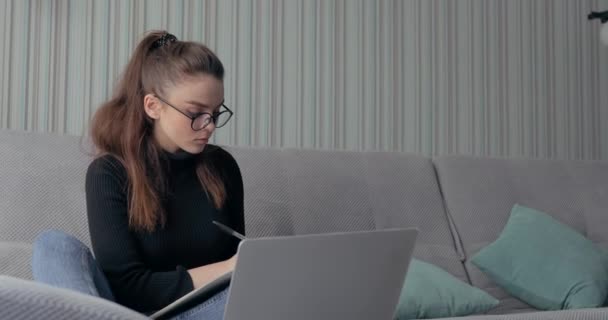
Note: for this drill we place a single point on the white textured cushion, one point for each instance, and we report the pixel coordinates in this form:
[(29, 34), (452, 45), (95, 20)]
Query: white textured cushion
[(23, 299)]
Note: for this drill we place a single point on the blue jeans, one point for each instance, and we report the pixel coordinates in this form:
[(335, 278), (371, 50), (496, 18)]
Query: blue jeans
[(213, 309), (63, 261)]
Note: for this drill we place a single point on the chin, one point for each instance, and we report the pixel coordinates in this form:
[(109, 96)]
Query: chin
[(194, 149)]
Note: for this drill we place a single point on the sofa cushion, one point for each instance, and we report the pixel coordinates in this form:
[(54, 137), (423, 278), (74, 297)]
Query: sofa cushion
[(289, 191), (480, 192), (15, 259), (25, 300), (430, 292), (546, 263), (42, 188), (42, 185)]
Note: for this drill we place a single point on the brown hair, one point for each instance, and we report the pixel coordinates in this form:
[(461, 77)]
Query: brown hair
[(121, 127)]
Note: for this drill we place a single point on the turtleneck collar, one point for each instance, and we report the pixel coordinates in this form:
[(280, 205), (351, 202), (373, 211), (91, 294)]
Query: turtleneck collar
[(179, 155), (179, 160)]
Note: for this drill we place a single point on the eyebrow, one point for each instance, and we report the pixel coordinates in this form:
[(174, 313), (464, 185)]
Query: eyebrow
[(202, 105)]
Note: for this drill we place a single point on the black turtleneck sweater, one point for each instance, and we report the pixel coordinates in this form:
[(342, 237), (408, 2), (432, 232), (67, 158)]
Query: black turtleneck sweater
[(147, 271)]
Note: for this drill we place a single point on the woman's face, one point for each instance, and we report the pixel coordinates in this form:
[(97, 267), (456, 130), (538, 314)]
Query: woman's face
[(172, 129)]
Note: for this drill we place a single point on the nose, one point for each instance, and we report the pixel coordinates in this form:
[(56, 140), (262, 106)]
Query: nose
[(210, 127)]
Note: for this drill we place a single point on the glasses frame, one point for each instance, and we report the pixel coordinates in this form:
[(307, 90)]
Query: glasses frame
[(212, 116)]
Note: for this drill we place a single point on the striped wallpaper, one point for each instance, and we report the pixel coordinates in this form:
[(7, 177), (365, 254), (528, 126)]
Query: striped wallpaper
[(486, 77)]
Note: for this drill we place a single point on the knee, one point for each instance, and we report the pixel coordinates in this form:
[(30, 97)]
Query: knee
[(54, 240)]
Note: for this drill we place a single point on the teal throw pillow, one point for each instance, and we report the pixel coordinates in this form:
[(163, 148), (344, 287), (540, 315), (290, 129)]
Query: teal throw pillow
[(430, 292), (546, 263)]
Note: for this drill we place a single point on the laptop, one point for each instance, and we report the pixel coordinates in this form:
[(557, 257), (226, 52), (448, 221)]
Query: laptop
[(353, 275), (348, 275)]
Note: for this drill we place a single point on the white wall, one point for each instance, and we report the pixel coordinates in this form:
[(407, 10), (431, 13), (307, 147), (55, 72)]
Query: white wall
[(487, 77)]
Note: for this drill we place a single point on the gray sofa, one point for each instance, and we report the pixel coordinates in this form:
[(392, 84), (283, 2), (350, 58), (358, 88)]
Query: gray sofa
[(460, 204)]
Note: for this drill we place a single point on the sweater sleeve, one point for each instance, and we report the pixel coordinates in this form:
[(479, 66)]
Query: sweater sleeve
[(115, 247)]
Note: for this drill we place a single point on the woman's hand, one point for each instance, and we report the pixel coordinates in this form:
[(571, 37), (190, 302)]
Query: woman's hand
[(231, 263), (201, 276)]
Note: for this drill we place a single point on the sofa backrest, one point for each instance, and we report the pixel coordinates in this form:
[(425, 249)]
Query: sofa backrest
[(41, 187), (286, 192), (480, 192), (291, 191)]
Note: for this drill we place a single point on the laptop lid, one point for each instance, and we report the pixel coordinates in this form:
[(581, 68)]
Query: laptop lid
[(353, 275)]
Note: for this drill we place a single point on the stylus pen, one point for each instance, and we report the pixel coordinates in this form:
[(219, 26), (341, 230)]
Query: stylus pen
[(229, 230)]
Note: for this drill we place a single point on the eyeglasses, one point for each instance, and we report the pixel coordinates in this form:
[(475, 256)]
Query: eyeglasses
[(201, 120)]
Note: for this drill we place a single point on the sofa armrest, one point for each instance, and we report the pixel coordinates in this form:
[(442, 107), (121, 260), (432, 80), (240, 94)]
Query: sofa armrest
[(23, 299)]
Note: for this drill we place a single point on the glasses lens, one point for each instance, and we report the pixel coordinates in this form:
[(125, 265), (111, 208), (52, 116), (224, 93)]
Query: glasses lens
[(201, 121), (222, 119)]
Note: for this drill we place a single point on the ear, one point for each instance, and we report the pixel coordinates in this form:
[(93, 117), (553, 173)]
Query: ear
[(152, 106)]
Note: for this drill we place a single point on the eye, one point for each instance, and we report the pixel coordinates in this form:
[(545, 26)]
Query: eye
[(194, 115)]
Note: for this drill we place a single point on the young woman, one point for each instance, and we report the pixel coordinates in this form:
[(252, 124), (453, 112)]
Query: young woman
[(157, 185)]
